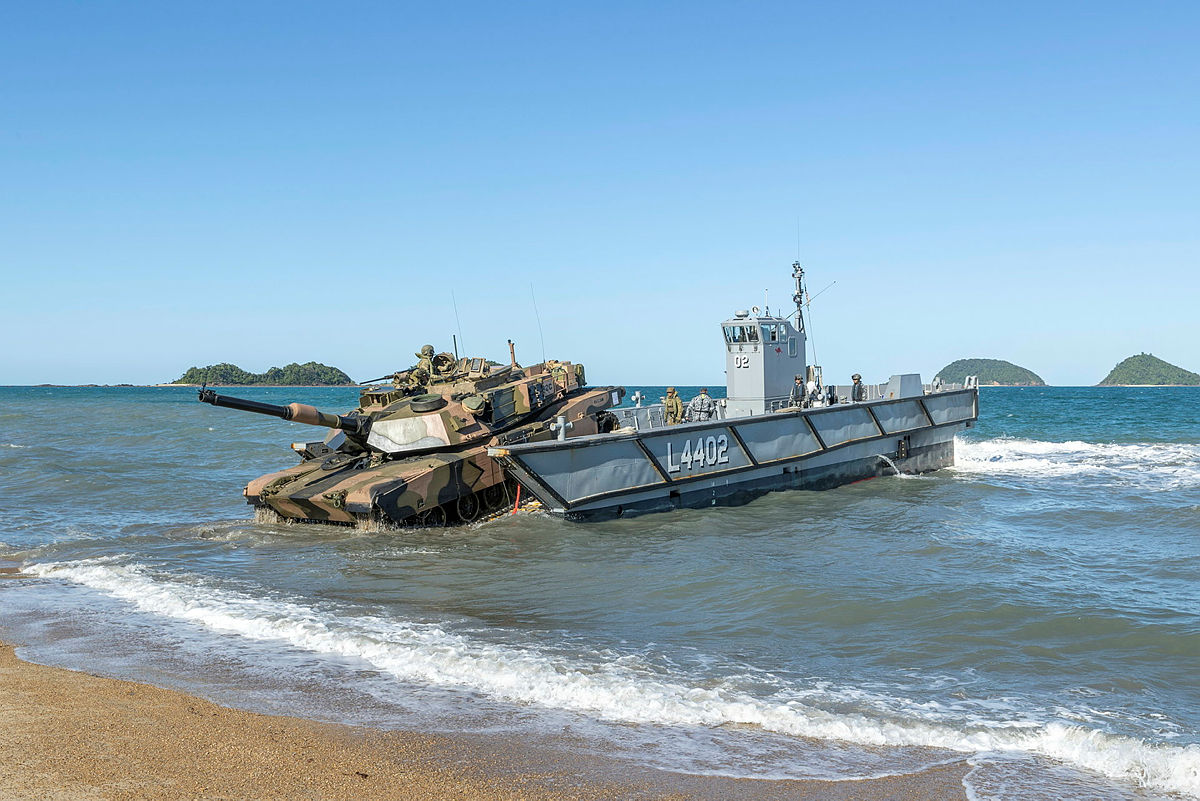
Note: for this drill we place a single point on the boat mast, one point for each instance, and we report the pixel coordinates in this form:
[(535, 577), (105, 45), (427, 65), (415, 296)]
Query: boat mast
[(798, 297)]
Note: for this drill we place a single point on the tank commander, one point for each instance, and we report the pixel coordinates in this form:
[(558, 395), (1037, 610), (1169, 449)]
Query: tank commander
[(672, 407), (798, 393), (425, 360), (701, 407), (858, 392)]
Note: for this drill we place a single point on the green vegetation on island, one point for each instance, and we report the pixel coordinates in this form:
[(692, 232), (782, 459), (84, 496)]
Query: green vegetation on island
[(1145, 369), (994, 372), (307, 374)]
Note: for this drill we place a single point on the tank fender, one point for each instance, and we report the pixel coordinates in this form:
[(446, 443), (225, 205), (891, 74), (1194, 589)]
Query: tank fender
[(361, 499), (254, 489)]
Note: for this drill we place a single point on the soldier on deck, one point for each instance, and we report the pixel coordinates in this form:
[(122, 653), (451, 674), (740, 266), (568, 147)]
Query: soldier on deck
[(858, 392), (798, 393), (673, 407), (701, 407)]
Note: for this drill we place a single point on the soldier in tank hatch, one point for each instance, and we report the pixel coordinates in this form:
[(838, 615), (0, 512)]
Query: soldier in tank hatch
[(858, 392), (672, 407), (701, 407), (425, 359)]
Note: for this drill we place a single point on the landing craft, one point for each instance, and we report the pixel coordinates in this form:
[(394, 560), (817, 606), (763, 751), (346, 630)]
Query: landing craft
[(778, 428), (414, 452)]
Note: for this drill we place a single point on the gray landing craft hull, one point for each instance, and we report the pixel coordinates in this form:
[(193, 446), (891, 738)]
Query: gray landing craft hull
[(729, 462)]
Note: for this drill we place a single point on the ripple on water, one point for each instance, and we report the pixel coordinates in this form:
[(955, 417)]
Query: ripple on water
[(1033, 610)]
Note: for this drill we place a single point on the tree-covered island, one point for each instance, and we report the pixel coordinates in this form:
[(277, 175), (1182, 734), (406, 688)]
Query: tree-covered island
[(992, 372), (1146, 369), (309, 374)]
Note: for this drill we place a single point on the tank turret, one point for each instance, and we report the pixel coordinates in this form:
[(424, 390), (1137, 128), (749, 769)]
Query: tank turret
[(415, 449)]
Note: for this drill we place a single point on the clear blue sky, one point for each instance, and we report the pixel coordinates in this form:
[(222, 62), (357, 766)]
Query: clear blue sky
[(263, 183)]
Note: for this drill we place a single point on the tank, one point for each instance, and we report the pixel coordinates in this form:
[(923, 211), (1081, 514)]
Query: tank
[(414, 452)]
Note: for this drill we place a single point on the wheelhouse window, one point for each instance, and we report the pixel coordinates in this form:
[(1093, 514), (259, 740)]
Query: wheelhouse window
[(739, 334)]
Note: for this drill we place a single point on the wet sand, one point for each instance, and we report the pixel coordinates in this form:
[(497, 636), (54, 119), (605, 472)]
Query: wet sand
[(69, 735)]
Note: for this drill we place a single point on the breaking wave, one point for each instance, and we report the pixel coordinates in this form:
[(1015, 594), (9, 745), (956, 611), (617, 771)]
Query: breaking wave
[(623, 689), (1166, 466)]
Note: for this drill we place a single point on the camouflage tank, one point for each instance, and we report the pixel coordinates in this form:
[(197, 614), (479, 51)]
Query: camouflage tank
[(414, 452)]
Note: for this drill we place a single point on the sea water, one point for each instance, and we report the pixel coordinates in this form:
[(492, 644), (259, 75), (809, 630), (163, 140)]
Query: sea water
[(1034, 611)]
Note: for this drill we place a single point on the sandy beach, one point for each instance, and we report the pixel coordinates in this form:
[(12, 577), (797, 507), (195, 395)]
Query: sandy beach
[(70, 735)]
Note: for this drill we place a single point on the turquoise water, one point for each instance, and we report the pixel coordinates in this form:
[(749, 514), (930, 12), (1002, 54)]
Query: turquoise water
[(1034, 611)]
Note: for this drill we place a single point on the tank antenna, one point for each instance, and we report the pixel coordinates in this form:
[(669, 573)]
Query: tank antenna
[(538, 317), (458, 323)]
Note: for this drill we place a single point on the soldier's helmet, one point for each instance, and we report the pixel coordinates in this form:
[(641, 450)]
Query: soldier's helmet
[(856, 377), (799, 378), (670, 390), (427, 350), (703, 390)]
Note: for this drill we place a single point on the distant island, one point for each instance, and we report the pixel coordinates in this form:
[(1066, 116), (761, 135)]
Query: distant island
[(1145, 369), (308, 374), (993, 372)]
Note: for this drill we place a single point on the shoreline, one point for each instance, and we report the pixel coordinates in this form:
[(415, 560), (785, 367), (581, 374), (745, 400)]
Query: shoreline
[(185, 386), (69, 734)]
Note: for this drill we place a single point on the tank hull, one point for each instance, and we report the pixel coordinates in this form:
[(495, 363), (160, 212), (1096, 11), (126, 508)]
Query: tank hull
[(451, 485), (732, 461), (397, 491)]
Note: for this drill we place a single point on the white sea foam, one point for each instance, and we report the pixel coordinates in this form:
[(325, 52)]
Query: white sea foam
[(11, 445), (1166, 466), (613, 689)]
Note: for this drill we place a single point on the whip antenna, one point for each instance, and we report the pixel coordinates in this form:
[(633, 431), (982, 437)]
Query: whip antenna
[(458, 323), (538, 317), (808, 299)]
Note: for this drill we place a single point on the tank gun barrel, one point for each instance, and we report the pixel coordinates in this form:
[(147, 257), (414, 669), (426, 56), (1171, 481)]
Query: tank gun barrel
[(298, 412)]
